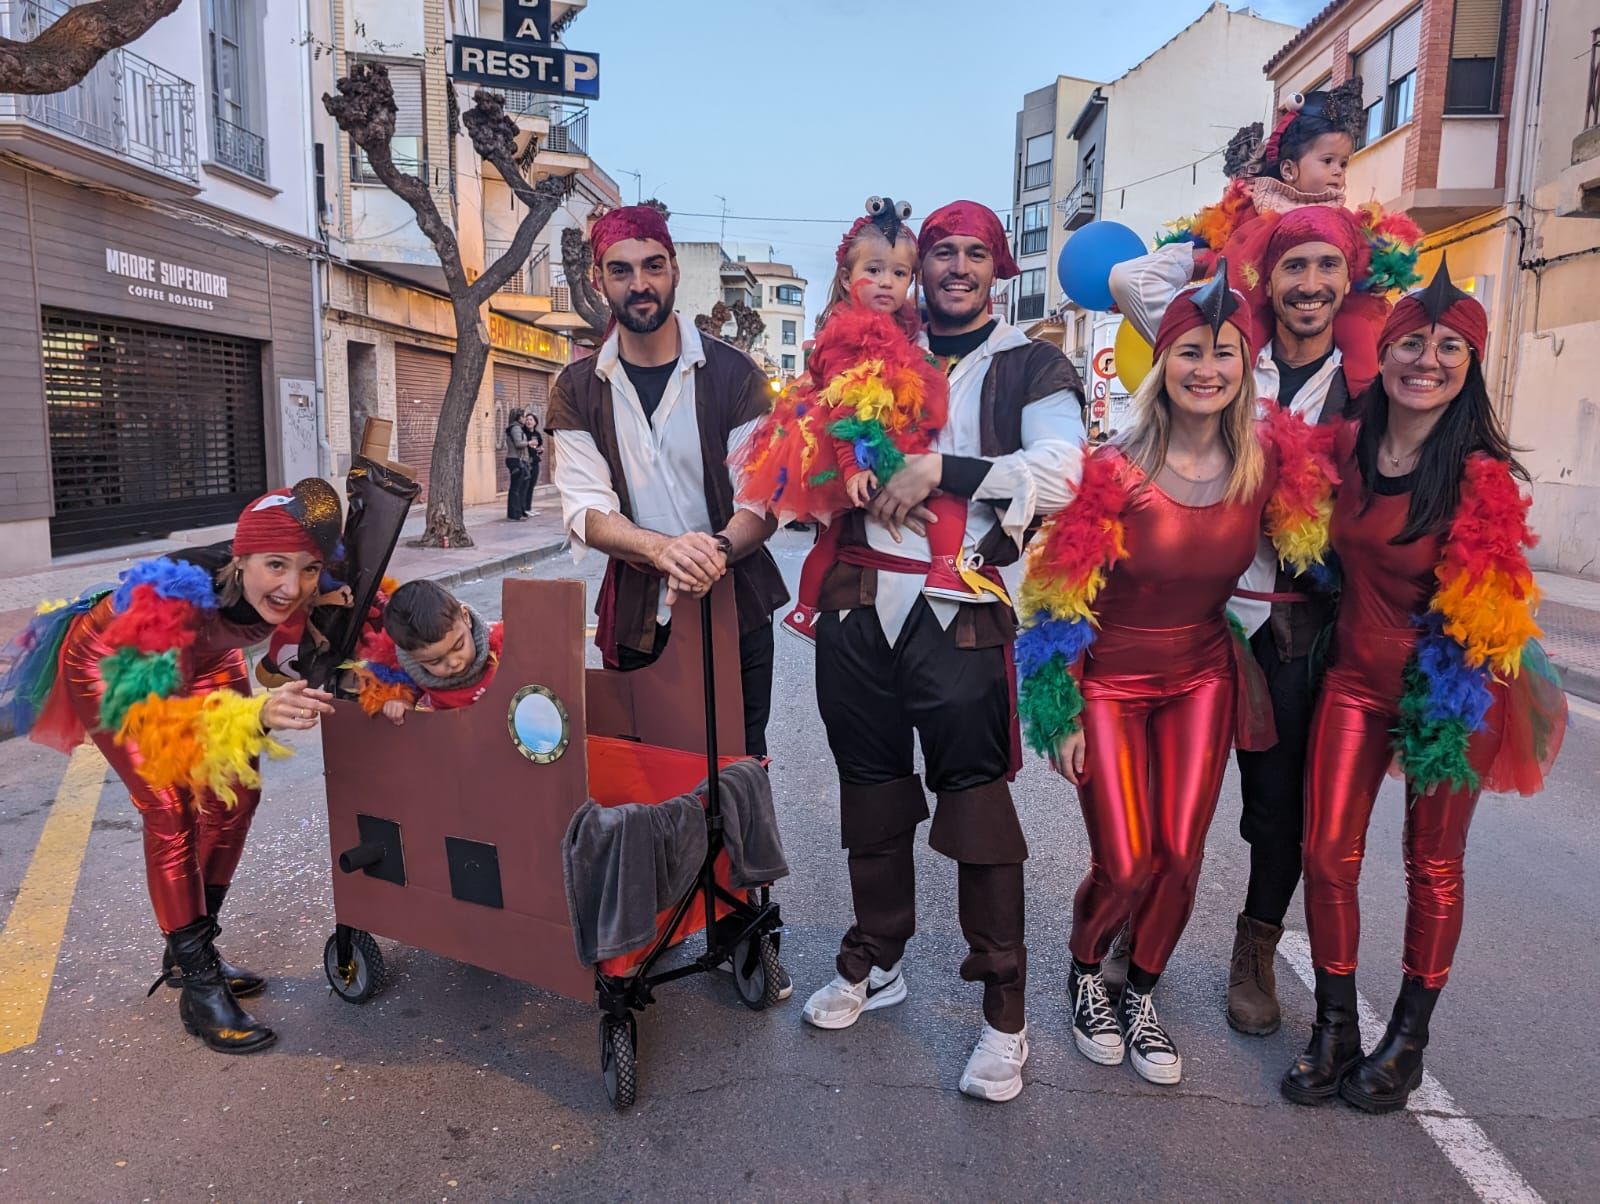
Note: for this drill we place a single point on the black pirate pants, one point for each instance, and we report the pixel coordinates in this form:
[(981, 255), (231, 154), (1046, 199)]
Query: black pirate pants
[(875, 702), (1273, 784)]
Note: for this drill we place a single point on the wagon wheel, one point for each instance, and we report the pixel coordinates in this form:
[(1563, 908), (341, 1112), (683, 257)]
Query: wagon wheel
[(757, 976), (365, 974), (619, 1066)]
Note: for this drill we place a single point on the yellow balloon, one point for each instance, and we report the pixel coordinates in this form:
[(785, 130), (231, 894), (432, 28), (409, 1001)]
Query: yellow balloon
[(1134, 357)]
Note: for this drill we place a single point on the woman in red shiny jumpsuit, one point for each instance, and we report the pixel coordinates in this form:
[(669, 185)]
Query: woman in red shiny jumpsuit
[(1402, 476), (193, 839), (1160, 682)]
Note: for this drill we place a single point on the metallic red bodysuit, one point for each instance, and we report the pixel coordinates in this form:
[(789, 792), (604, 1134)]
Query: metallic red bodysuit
[(1351, 746), (1160, 697), (190, 841)]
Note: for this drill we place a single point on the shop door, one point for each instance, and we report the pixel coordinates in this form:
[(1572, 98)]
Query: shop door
[(152, 429), (420, 380), (518, 388)]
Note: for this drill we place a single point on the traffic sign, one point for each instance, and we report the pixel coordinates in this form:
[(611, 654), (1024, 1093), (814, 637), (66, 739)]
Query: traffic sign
[(1105, 362)]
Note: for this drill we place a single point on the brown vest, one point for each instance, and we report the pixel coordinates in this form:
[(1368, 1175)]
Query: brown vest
[(729, 390), (1016, 378)]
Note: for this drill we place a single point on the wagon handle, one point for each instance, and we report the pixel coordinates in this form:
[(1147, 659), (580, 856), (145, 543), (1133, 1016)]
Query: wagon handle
[(709, 671)]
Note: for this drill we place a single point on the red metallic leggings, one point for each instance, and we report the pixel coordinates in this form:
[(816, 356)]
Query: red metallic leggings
[(1154, 764), (190, 841), (1350, 749)]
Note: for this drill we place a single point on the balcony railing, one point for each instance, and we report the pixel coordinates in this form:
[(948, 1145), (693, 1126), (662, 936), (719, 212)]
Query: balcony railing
[(1078, 206), (1029, 308), (236, 147), (1036, 175), (532, 280), (1033, 242), (1591, 112), (569, 126), (125, 105)]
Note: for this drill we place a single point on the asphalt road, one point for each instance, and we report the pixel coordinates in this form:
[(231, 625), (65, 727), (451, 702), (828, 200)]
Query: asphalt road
[(458, 1084)]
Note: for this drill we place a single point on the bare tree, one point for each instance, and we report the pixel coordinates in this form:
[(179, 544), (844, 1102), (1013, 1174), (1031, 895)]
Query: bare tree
[(576, 260), (748, 324), (365, 110), (68, 50)]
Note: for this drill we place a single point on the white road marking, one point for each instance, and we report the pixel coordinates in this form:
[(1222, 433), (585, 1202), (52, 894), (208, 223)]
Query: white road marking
[(1583, 707), (1459, 1138)]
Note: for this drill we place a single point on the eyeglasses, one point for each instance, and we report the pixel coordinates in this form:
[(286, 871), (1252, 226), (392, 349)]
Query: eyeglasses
[(1451, 351)]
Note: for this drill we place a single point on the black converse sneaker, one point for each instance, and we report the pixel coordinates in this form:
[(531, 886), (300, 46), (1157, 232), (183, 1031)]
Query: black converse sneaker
[(1153, 1053), (1094, 1021)]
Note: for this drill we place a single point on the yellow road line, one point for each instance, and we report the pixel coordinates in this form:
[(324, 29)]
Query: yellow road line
[(31, 938)]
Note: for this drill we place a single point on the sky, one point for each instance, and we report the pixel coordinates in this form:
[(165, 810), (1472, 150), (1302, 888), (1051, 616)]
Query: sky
[(801, 109)]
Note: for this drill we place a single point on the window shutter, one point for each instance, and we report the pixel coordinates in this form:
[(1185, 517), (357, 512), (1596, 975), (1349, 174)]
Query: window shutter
[(1407, 37), (1477, 30), (1373, 68), (409, 117)]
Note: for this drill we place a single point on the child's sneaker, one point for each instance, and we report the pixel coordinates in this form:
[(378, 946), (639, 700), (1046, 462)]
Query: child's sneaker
[(802, 622), (945, 579)]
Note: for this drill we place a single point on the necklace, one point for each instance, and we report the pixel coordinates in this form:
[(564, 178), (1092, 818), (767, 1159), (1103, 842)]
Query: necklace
[(1395, 461)]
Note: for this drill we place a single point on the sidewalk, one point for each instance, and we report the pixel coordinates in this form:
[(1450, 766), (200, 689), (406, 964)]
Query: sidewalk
[(1570, 617), (498, 545)]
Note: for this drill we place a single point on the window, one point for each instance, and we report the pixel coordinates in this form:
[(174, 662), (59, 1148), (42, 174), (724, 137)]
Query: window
[(1030, 294), (1036, 160), (788, 363), (1388, 71), (236, 75), (1476, 41), (408, 149), (789, 294), (1035, 235), (789, 334)]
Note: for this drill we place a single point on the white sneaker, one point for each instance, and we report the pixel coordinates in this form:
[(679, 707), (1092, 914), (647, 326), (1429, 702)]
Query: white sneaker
[(994, 1071), (840, 1003)]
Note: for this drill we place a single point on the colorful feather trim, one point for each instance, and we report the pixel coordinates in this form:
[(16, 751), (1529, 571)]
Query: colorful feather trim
[(205, 742), (1067, 567), (33, 659), (1300, 509), (1395, 242), (1478, 622), (175, 579)]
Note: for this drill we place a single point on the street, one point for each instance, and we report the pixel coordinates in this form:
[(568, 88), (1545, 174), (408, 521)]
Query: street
[(458, 1084)]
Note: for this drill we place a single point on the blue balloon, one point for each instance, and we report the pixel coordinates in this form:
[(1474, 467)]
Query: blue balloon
[(1084, 268)]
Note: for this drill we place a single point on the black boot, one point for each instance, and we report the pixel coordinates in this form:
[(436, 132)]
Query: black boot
[(1335, 1046), (207, 1008), (1388, 1075), (243, 983)]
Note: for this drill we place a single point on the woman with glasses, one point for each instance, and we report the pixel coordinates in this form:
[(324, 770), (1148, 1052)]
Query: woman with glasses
[(1434, 677)]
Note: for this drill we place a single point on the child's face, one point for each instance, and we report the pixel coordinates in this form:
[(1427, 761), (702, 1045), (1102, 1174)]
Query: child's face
[(889, 271), (1322, 165), (451, 656)]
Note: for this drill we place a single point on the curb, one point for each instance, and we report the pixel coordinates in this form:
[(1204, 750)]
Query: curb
[(487, 568), (1579, 681)]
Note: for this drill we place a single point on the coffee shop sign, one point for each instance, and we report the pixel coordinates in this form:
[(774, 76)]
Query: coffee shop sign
[(175, 283)]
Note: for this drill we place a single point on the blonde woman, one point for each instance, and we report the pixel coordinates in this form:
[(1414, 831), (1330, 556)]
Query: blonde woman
[(1141, 565)]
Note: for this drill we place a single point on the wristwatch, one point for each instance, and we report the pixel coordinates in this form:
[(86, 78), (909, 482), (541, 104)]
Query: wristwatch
[(725, 544)]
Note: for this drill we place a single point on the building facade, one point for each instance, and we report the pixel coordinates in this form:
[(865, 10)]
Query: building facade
[(781, 297), (1483, 123), (157, 320), (1046, 174), (389, 329)]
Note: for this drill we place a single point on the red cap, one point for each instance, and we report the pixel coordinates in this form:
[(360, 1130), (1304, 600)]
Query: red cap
[(302, 519), (1465, 315), (970, 220), (631, 221), (1185, 314)]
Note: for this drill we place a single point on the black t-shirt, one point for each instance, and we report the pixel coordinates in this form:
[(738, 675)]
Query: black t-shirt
[(650, 383), (1292, 379), (955, 347)]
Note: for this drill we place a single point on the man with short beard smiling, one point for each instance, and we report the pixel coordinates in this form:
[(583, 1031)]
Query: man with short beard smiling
[(893, 661), (640, 433), (1307, 268)]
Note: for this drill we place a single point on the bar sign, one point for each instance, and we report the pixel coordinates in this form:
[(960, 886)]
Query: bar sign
[(527, 22)]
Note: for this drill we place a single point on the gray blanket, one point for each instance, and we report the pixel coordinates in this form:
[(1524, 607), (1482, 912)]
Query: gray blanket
[(623, 865)]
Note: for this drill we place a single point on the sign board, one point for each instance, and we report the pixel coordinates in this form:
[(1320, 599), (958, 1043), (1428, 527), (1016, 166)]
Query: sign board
[(1105, 363), (1110, 408), (527, 22), (525, 62), (161, 280)]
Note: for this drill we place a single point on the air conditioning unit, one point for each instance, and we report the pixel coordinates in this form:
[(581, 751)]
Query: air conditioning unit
[(561, 298)]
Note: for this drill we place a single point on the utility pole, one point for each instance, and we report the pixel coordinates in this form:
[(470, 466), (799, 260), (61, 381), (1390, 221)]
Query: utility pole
[(722, 231)]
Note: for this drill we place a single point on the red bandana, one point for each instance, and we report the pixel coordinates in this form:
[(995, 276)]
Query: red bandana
[(1183, 315), (1332, 224), (969, 220), (302, 519), (1465, 316), (631, 221)]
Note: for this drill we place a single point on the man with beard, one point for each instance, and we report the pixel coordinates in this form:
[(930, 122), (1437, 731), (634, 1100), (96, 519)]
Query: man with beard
[(1309, 261), (894, 663), (640, 433)]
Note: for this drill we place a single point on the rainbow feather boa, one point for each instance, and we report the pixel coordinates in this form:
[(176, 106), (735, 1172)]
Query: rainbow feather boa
[(1068, 564), (1475, 630), (205, 742)]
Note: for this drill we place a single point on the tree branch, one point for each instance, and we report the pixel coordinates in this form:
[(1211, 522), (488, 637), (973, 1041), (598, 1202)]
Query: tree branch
[(494, 137), (68, 50), (576, 260), (365, 109)]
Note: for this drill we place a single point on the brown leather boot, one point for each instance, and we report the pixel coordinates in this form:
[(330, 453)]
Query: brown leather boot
[(1252, 984)]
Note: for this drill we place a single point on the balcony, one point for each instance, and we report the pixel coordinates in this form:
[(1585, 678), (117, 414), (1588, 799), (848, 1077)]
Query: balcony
[(527, 293), (1587, 144), (1030, 308), (128, 122), (1078, 206), (1033, 242), (558, 132), (237, 148), (1036, 175)]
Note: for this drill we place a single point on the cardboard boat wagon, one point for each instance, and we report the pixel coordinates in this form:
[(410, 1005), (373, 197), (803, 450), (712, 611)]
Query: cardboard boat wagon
[(446, 832)]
